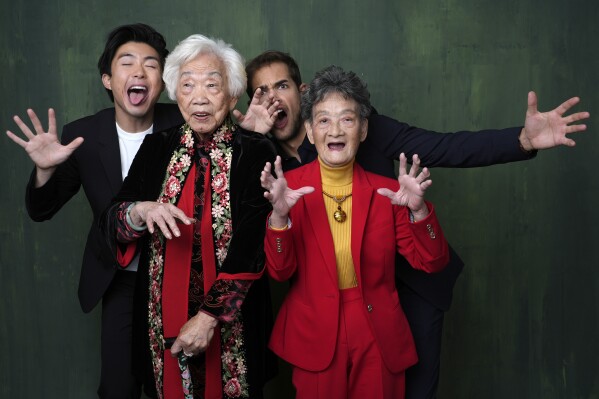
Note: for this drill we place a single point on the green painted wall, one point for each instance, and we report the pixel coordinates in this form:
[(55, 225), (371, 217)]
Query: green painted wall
[(524, 323)]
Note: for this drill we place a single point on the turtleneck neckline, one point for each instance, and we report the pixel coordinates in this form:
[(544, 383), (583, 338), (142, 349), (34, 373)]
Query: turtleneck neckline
[(338, 176)]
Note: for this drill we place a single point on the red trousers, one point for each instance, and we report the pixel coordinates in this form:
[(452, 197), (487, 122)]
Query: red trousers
[(357, 370)]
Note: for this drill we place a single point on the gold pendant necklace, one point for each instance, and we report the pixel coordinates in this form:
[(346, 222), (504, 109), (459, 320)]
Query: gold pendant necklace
[(339, 215)]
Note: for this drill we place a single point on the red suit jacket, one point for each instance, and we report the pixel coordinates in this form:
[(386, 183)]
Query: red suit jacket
[(305, 332)]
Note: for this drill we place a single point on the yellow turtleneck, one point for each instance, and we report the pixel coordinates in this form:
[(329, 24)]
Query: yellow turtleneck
[(338, 182)]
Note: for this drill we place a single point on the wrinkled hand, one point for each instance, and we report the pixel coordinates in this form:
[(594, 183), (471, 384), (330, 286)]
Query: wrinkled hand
[(261, 114), (159, 215), (44, 148), (281, 197), (549, 129), (412, 187), (195, 335)]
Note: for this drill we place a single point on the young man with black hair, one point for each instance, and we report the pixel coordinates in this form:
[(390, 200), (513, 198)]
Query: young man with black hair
[(95, 153), (424, 297)]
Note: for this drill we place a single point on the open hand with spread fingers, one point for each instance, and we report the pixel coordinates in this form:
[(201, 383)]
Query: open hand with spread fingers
[(412, 186), (44, 148), (260, 115), (550, 129), (281, 197)]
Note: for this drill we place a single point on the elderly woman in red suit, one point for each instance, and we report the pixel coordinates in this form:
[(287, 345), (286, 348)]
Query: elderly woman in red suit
[(334, 231)]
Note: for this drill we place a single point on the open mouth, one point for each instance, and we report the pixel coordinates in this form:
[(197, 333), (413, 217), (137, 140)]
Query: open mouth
[(281, 120), (336, 146), (137, 94)]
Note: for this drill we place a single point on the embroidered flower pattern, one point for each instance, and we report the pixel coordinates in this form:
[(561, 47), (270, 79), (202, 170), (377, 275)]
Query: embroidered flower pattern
[(234, 372)]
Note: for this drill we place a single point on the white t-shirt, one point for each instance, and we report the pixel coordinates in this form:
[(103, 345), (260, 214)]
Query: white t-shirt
[(129, 144)]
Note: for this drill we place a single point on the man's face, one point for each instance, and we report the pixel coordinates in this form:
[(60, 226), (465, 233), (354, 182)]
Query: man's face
[(336, 129), (136, 80), (274, 78), (203, 94)]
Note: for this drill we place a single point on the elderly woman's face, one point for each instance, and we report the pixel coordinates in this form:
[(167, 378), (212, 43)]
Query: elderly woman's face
[(203, 94), (336, 129)]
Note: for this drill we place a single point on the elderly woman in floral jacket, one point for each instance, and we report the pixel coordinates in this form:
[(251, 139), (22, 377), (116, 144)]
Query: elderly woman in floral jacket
[(193, 210)]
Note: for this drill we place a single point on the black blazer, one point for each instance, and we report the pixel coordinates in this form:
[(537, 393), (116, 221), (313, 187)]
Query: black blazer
[(387, 138), (95, 166)]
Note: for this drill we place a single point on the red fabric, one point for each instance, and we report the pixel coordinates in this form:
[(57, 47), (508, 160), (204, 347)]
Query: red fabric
[(124, 258), (212, 356), (175, 288), (305, 331), (357, 370)]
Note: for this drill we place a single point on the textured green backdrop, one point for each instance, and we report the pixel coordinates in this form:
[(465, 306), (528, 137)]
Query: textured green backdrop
[(525, 319)]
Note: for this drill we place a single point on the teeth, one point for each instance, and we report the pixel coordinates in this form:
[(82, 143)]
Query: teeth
[(138, 88)]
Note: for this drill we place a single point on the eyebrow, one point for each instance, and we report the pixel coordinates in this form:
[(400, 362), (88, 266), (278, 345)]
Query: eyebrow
[(210, 74), (149, 57), (264, 87)]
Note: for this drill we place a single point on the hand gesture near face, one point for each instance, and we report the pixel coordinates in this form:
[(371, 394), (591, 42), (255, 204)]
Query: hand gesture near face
[(412, 186), (261, 114)]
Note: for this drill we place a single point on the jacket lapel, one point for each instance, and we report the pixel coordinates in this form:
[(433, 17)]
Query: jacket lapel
[(316, 216), (362, 193), (108, 149)]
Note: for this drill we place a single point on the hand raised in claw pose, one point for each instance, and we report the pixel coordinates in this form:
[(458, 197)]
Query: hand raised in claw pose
[(412, 186), (281, 197)]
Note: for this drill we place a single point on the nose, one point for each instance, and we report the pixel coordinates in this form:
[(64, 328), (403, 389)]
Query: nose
[(335, 130), (199, 95), (139, 71)]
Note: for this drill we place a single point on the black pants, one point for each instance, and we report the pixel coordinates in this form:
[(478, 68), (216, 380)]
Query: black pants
[(426, 323), (117, 380)]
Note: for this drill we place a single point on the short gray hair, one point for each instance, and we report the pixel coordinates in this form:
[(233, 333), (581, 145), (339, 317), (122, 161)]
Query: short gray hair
[(334, 79), (194, 45)]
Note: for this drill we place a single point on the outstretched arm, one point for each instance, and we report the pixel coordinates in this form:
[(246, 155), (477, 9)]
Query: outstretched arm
[(44, 148), (550, 129)]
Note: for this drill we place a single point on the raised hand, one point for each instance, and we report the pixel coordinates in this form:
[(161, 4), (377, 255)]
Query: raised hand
[(549, 129), (261, 114), (281, 197), (159, 215), (44, 148), (412, 186)]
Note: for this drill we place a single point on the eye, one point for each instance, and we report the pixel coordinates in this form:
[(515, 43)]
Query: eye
[(283, 86)]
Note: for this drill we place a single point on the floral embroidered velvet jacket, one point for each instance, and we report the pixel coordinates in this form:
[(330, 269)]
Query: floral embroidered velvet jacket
[(245, 255)]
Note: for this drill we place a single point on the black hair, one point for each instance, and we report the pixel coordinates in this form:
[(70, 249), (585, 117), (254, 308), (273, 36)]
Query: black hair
[(140, 33)]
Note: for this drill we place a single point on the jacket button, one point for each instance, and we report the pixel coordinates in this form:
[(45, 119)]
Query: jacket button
[(369, 308)]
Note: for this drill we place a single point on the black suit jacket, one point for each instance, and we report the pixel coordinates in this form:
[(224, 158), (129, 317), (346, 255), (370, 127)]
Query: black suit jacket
[(95, 166), (387, 138)]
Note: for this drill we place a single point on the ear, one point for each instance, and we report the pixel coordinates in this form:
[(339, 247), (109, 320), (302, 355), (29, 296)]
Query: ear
[(363, 130), (233, 103), (106, 81), (303, 87), (308, 128)]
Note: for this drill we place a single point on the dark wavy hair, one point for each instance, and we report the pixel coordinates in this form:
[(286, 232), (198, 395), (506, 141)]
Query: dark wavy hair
[(334, 79), (267, 58)]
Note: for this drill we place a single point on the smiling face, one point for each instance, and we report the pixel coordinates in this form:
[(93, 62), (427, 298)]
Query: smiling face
[(202, 93), (274, 78), (336, 129), (135, 82)]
